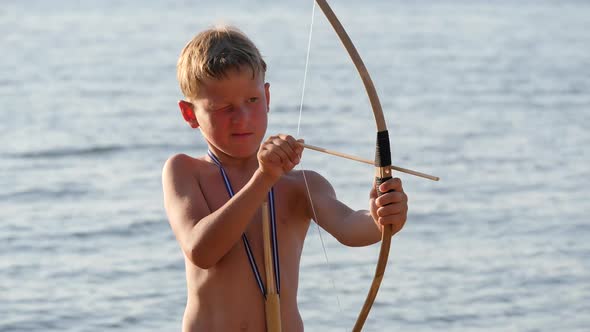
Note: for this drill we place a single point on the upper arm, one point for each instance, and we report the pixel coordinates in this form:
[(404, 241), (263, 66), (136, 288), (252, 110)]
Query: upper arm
[(183, 198), (325, 208)]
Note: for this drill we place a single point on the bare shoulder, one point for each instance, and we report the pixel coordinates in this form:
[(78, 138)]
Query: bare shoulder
[(315, 181), (183, 199), (181, 168), (181, 164), (180, 178)]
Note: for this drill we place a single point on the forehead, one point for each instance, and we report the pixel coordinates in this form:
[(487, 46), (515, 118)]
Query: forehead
[(233, 83)]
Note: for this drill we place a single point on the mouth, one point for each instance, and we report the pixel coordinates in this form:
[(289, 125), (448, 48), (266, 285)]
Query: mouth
[(241, 135)]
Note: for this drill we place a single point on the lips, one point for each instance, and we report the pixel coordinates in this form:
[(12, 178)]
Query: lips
[(241, 135)]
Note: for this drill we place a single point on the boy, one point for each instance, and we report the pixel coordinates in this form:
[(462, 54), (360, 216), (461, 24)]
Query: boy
[(221, 74)]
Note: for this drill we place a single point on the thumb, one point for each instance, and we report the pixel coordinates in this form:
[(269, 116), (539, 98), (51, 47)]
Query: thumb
[(373, 192)]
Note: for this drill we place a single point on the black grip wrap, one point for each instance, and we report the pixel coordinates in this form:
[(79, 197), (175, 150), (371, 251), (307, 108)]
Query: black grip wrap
[(382, 150), (378, 182), (382, 157)]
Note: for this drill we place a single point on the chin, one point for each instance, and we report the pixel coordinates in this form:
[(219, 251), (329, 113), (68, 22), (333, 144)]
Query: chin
[(243, 152)]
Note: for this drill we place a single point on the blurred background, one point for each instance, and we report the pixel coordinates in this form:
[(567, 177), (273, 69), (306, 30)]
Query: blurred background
[(493, 97)]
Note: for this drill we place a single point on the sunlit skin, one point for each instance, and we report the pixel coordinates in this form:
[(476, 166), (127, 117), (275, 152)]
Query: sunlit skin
[(231, 114)]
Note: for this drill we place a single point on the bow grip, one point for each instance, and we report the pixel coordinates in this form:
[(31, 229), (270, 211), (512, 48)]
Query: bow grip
[(382, 160)]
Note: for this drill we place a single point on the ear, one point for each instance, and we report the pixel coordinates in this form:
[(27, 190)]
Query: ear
[(188, 113), (267, 94)]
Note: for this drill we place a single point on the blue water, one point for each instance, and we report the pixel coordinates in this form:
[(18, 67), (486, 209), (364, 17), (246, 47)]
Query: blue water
[(493, 97)]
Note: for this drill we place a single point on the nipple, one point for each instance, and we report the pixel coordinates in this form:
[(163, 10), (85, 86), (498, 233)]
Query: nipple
[(244, 326)]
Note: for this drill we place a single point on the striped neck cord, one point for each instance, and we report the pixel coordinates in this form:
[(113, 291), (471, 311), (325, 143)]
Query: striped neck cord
[(273, 230)]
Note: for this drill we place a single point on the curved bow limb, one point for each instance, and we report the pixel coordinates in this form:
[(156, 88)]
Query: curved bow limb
[(382, 155)]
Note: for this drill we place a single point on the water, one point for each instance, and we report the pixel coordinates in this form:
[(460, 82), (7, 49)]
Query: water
[(493, 97)]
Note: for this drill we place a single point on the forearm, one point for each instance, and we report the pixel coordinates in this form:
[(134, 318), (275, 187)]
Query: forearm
[(214, 235), (359, 229)]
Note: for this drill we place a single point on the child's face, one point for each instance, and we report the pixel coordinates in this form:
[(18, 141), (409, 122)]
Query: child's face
[(232, 112)]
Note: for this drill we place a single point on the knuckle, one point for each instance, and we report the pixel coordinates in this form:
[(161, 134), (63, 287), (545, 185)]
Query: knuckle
[(378, 202)]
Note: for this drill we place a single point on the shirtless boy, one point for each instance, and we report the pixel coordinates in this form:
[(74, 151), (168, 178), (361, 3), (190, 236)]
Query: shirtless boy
[(221, 74)]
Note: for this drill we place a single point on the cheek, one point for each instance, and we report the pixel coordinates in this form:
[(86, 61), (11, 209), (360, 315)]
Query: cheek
[(213, 125), (262, 118), (262, 110), (219, 119)]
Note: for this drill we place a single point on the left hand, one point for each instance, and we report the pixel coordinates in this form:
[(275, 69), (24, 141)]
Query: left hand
[(390, 208)]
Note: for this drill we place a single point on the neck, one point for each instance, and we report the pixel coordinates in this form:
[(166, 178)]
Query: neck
[(232, 162)]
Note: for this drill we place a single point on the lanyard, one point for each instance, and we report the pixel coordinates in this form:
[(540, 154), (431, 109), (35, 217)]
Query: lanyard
[(273, 230)]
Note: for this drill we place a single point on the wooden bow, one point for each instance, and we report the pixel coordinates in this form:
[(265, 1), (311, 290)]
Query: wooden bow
[(382, 155)]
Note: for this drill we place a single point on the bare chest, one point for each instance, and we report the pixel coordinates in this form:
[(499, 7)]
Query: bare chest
[(291, 228)]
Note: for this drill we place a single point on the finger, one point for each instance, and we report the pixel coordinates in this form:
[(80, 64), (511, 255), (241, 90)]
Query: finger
[(279, 152), (288, 148), (280, 146), (272, 148), (392, 210), (293, 143), (397, 223), (391, 184), (373, 192), (267, 155), (391, 198), (288, 153), (397, 220), (289, 139)]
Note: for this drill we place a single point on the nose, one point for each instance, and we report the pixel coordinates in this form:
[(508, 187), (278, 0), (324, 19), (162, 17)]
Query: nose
[(240, 114)]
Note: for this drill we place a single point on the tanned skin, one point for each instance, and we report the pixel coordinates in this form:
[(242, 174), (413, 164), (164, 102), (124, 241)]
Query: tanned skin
[(222, 294)]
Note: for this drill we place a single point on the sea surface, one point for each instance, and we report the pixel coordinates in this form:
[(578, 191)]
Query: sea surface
[(492, 96)]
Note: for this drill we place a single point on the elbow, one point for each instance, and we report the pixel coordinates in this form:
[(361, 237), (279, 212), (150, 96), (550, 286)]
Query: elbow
[(349, 243), (358, 238), (198, 257), (357, 243), (346, 240)]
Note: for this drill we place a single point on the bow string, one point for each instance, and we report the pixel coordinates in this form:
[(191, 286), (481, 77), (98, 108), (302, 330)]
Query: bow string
[(383, 167)]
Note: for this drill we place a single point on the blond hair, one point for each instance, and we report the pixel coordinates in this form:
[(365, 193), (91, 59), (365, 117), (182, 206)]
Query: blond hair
[(212, 54)]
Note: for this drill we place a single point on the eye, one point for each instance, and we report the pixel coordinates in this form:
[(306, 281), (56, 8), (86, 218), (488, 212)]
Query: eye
[(223, 108), (252, 99)]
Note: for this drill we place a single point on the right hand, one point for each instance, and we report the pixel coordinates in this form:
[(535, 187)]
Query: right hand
[(279, 154)]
